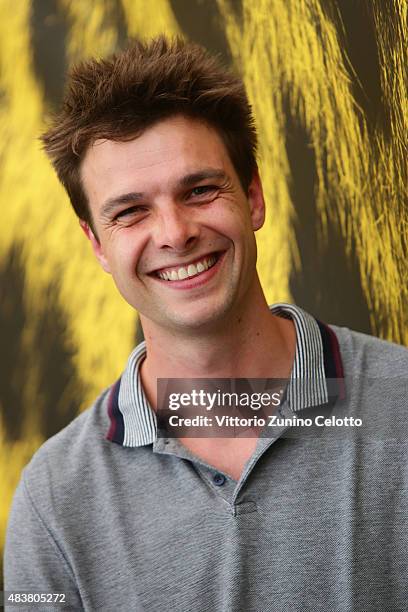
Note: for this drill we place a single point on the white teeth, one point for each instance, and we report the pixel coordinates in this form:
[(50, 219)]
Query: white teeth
[(191, 270)]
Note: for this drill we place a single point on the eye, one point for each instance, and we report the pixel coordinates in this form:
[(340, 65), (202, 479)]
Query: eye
[(203, 190), (127, 212)]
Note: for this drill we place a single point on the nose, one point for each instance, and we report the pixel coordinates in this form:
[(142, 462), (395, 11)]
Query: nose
[(175, 229)]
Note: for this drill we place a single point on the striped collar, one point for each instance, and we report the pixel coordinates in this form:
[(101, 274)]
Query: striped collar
[(317, 359)]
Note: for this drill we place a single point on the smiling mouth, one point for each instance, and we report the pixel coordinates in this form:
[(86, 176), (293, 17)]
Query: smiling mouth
[(179, 273)]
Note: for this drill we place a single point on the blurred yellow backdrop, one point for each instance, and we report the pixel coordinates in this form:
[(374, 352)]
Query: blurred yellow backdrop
[(293, 55)]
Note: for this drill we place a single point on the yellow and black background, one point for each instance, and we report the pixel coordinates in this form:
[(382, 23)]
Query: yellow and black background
[(327, 81)]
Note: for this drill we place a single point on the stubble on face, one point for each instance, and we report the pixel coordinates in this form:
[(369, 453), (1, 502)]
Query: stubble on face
[(161, 224)]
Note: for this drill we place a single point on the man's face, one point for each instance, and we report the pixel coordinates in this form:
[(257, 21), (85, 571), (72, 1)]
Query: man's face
[(175, 227)]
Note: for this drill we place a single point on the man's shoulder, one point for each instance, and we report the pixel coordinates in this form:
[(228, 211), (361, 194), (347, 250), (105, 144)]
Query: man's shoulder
[(70, 454), (367, 355)]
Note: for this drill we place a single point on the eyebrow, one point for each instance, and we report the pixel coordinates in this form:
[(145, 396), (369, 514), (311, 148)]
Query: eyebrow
[(201, 175), (188, 180)]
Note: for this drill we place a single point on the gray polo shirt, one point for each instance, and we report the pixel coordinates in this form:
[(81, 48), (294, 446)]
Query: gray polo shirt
[(125, 520)]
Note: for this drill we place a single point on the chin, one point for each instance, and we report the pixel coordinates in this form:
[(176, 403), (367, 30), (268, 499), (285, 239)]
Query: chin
[(199, 320)]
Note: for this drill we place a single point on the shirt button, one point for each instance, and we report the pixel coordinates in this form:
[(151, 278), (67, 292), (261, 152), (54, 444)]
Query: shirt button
[(218, 479)]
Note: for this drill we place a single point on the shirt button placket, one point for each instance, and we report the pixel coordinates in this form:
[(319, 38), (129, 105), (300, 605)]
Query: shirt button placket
[(219, 479)]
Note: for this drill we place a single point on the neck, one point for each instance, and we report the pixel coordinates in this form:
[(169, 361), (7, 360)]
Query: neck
[(252, 343)]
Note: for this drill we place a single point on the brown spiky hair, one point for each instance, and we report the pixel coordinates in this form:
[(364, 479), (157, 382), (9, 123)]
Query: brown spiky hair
[(119, 97)]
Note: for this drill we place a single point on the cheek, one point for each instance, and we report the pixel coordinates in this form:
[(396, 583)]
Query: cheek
[(125, 254), (231, 220), (237, 227)]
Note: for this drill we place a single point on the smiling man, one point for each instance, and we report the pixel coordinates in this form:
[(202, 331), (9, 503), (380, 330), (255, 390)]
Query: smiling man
[(157, 150)]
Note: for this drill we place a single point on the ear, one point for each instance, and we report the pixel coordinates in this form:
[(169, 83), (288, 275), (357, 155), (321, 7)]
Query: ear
[(96, 245), (256, 201)]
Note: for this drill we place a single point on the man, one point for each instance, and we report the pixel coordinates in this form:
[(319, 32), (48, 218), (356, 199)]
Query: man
[(156, 148)]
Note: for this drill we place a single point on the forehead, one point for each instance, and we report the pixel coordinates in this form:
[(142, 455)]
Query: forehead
[(163, 152)]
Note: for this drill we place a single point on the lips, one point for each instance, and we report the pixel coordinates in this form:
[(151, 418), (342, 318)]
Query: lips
[(188, 270)]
